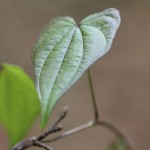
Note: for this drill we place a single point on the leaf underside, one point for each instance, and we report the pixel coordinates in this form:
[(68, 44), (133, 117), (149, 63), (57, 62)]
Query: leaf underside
[(66, 50), (19, 104)]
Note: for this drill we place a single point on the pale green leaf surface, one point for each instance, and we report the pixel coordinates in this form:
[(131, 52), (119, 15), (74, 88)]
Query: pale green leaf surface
[(66, 50), (19, 104)]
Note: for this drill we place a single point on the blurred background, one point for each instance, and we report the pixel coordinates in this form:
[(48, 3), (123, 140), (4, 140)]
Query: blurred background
[(121, 77)]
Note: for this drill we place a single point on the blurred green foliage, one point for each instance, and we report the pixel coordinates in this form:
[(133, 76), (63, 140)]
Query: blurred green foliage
[(19, 104)]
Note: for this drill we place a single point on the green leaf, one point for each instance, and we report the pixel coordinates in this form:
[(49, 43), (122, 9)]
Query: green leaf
[(66, 50), (19, 104), (116, 145)]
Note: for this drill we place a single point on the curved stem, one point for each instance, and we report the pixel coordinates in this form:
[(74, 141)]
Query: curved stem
[(96, 113), (72, 131), (104, 123), (88, 125), (40, 140), (39, 144), (115, 131), (37, 140)]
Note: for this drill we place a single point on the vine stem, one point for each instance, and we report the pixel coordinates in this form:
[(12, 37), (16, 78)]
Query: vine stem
[(116, 132), (93, 123), (96, 113), (37, 140), (40, 140), (71, 132)]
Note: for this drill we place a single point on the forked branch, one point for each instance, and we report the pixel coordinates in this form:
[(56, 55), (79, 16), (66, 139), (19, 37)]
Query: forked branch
[(37, 140), (41, 139)]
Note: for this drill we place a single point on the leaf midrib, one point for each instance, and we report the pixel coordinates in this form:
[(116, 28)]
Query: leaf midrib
[(60, 68)]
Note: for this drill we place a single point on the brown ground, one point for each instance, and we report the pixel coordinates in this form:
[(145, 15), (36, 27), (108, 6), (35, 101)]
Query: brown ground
[(121, 78)]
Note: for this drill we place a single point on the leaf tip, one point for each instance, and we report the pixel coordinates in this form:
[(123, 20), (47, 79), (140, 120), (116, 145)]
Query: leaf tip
[(44, 119), (43, 122)]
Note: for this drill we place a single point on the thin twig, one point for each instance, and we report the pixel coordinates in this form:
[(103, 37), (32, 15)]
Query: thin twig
[(96, 113), (55, 127), (93, 123), (37, 140), (88, 125), (40, 144), (24, 144), (40, 140), (72, 131), (104, 123)]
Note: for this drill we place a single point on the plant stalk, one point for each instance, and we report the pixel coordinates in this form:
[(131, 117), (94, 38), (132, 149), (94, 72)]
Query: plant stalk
[(71, 132), (40, 140), (96, 113), (116, 132)]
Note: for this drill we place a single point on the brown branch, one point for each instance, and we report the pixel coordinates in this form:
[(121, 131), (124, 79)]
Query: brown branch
[(71, 132), (40, 144), (88, 125), (40, 140), (37, 140), (55, 127)]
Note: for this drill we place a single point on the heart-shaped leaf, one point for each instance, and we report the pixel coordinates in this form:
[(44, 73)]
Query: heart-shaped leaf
[(65, 50), (19, 104)]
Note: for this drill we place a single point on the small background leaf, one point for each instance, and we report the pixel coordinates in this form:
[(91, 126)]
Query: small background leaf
[(19, 104), (117, 145)]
